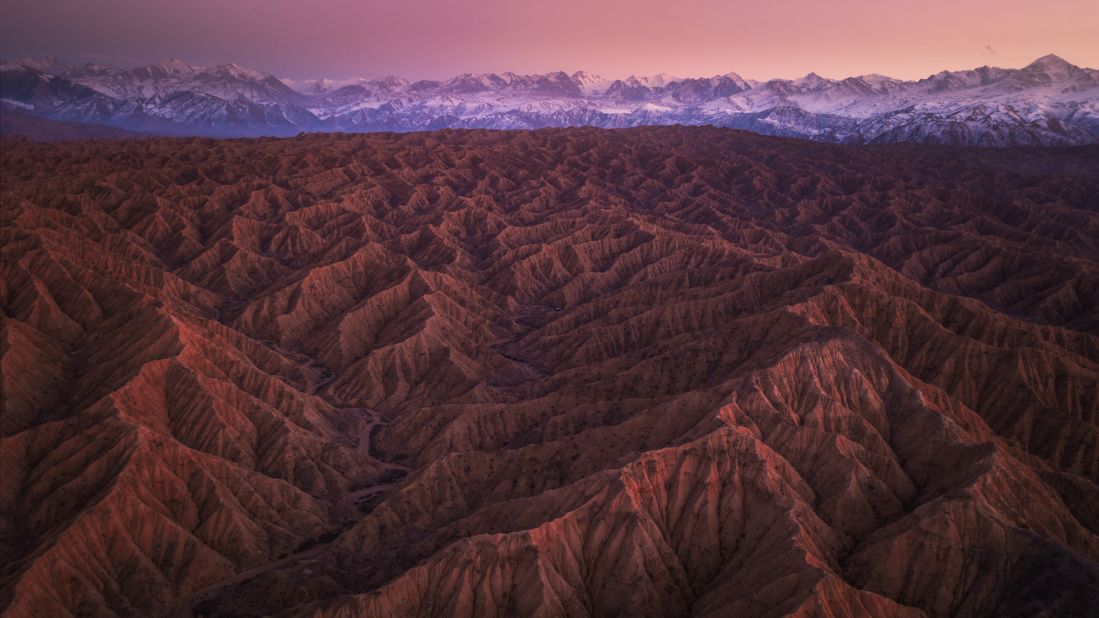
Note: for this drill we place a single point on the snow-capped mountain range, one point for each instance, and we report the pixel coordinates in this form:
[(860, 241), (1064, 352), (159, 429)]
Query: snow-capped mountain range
[(1049, 102)]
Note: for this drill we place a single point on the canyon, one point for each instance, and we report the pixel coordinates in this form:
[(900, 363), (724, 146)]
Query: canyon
[(657, 371)]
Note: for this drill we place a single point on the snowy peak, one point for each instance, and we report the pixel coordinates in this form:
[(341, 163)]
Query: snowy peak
[(235, 71), (1050, 101), (50, 65), (469, 83), (590, 83), (388, 83), (812, 81), (1051, 64), (323, 85), (740, 82), (659, 80), (173, 66), (882, 84)]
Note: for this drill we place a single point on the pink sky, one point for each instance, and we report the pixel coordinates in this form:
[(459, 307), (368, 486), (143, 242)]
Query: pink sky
[(616, 38)]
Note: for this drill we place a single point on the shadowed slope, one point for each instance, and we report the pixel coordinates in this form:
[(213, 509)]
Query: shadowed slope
[(572, 372)]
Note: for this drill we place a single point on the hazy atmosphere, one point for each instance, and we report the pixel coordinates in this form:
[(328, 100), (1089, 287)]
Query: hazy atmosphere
[(616, 38), (570, 309)]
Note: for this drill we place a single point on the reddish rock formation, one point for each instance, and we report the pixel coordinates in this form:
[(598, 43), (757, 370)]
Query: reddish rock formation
[(664, 371)]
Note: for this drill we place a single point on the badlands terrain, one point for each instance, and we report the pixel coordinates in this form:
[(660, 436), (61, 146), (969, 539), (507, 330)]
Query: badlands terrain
[(570, 372)]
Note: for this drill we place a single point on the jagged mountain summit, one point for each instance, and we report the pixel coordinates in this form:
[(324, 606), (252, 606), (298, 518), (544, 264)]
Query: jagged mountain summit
[(1048, 102)]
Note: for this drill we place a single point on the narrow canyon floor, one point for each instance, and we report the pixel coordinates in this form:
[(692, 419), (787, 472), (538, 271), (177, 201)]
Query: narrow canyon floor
[(572, 372)]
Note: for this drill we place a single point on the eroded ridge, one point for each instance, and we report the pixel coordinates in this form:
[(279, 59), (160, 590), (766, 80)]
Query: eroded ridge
[(665, 371)]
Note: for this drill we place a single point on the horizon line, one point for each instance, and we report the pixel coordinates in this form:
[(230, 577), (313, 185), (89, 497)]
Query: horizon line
[(136, 64)]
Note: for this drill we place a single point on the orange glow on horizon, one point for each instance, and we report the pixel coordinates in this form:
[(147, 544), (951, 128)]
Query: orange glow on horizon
[(614, 38)]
